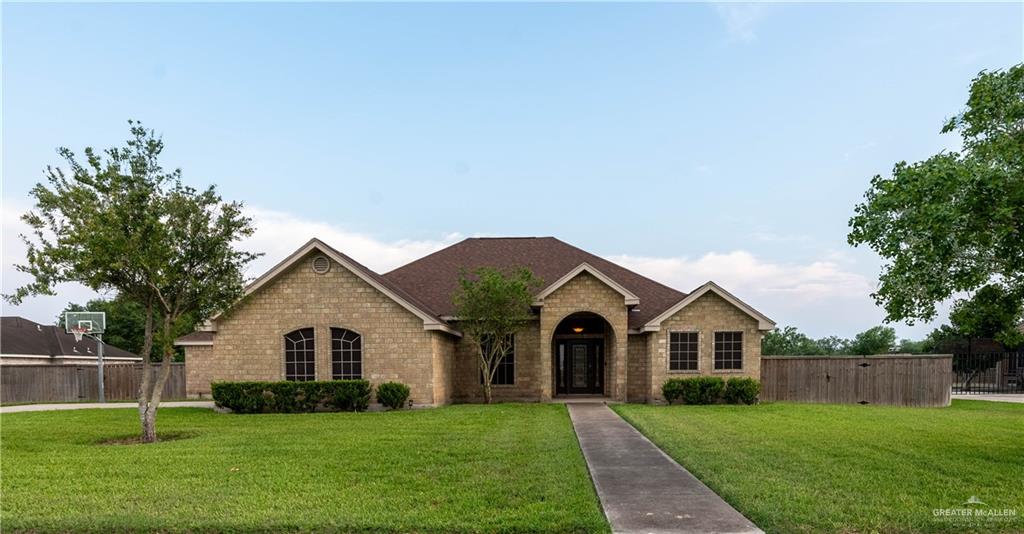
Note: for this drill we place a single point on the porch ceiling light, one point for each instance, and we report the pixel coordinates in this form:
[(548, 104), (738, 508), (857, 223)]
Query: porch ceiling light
[(577, 329)]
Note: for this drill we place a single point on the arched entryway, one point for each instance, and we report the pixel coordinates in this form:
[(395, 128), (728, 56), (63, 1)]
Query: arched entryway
[(580, 348)]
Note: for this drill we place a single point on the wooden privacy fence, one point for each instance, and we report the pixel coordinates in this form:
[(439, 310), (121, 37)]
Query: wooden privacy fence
[(899, 380), (69, 383)]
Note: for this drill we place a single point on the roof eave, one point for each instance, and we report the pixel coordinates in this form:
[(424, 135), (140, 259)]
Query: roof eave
[(763, 322), (429, 321), (628, 298)]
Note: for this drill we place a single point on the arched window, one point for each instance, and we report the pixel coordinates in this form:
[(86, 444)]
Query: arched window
[(346, 354), (300, 355)]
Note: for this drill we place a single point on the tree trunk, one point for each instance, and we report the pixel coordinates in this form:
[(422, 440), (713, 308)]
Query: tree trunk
[(970, 377), (487, 391), (147, 374), (485, 372), (153, 402)]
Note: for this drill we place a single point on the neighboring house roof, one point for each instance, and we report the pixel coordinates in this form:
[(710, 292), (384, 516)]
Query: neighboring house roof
[(21, 337), (433, 278)]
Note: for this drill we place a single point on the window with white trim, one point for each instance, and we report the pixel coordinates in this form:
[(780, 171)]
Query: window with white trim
[(682, 351), (346, 354), (728, 351), (300, 355)]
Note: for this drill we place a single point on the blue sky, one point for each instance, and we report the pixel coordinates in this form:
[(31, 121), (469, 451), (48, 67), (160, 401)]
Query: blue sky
[(687, 141)]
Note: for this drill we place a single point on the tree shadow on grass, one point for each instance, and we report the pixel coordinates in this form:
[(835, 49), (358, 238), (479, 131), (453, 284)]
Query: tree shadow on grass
[(137, 440)]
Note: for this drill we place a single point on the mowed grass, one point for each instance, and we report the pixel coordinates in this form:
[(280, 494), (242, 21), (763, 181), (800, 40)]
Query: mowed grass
[(501, 468), (837, 468)]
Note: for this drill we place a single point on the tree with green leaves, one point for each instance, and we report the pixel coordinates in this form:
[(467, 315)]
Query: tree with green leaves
[(910, 346), (991, 313), (126, 324), (954, 222), (788, 341), (491, 306), (118, 222), (875, 340)]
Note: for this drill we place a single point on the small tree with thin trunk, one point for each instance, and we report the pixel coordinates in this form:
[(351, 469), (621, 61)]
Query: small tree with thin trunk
[(491, 306), (121, 224)]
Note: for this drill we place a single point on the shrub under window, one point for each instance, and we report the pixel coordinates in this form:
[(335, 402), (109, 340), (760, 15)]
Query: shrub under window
[(291, 396), (696, 390), (742, 390)]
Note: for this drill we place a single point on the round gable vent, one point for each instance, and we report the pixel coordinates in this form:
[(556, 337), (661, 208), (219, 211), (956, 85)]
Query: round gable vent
[(321, 264)]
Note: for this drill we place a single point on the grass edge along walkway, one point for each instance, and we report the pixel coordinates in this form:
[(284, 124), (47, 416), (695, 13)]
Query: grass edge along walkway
[(848, 468), (464, 468)]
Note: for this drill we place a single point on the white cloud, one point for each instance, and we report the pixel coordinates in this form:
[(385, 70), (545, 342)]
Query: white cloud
[(742, 272), (42, 309), (278, 234), (741, 20), (821, 297)]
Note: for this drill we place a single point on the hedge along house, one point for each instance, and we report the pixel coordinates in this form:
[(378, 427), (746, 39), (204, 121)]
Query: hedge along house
[(600, 329)]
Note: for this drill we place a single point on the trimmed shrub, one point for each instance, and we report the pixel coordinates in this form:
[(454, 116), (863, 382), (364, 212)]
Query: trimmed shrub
[(291, 397), (393, 394), (742, 390), (349, 395), (672, 390), (693, 390)]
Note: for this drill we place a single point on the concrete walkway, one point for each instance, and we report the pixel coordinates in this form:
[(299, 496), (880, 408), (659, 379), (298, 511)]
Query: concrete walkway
[(642, 490), (994, 397), (90, 405)]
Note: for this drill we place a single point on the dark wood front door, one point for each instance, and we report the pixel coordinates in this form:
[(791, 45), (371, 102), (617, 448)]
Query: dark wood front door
[(580, 366)]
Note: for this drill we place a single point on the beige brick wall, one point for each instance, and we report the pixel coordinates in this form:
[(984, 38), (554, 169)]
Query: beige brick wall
[(199, 368), (706, 315), (638, 376), (585, 293), (444, 361), (527, 385), (249, 343)]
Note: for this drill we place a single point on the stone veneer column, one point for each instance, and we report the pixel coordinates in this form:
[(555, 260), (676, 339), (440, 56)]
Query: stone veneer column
[(585, 293), (546, 361)]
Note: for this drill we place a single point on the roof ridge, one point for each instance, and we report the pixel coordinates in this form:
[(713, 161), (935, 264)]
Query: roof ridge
[(621, 267), (421, 258), (512, 237)]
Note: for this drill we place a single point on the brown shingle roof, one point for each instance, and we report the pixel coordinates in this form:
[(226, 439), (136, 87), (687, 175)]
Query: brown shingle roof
[(21, 336), (433, 278)]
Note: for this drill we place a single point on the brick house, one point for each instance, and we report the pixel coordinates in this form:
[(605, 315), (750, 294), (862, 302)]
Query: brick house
[(600, 329)]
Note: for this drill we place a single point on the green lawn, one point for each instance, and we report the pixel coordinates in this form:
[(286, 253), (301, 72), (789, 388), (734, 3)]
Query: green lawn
[(832, 468), (502, 468)]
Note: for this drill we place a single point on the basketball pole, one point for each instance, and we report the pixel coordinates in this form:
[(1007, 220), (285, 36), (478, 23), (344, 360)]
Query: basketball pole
[(99, 364)]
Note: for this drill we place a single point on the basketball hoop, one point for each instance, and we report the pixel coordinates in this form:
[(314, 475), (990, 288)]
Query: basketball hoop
[(79, 332)]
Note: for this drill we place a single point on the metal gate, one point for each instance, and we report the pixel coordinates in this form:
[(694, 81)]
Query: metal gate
[(990, 372)]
